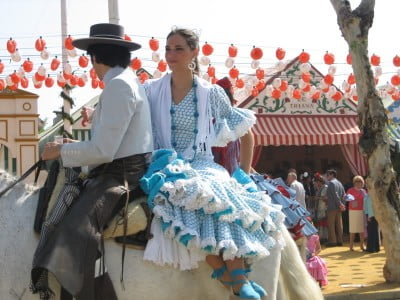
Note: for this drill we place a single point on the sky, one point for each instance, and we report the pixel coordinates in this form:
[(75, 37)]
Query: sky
[(293, 25)]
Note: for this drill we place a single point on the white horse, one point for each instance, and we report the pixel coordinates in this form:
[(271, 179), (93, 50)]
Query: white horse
[(142, 280)]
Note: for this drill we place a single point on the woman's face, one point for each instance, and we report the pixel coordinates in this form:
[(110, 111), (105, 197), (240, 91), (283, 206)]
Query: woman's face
[(178, 53)]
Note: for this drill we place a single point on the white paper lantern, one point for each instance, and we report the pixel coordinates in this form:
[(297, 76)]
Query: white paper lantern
[(155, 56), (67, 68), (229, 62), (205, 60), (84, 77), (255, 64), (332, 70), (378, 71), (72, 53), (60, 77), (305, 68), (42, 70), (16, 56), (9, 81), (45, 54), (21, 72), (157, 73), (206, 77), (276, 83), (268, 90)]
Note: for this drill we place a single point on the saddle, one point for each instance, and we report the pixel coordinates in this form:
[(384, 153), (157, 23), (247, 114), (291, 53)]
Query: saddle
[(138, 213)]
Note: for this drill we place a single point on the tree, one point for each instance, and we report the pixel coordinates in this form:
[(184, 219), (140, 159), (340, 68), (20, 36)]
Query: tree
[(372, 121)]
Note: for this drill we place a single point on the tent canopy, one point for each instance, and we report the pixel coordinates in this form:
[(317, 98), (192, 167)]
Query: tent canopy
[(298, 130)]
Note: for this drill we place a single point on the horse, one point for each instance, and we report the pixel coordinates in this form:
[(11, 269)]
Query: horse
[(142, 279)]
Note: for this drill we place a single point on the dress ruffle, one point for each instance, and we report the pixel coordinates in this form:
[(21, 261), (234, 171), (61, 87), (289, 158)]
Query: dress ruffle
[(202, 207)]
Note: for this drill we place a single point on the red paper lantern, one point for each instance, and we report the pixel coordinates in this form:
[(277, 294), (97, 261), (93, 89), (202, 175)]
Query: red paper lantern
[(2, 84), (14, 87), (143, 77), (27, 65), (306, 77), (232, 51), (239, 83), (396, 61), (83, 61), (375, 60), (395, 80), (328, 79), (154, 44), (260, 73), (49, 82), (15, 78), (95, 83), (81, 82), (297, 94), (325, 90), (234, 73), (337, 96), (66, 75), (68, 43), (55, 63), (127, 38), (73, 80), (307, 88), (260, 85), (11, 46), (136, 63), (40, 44), (92, 73), (280, 53), (39, 77), (162, 65), (304, 57), (348, 59), (207, 49), (24, 82), (38, 84), (316, 95), (284, 85), (255, 92), (61, 83), (329, 58), (214, 80), (351, 79), (211, 71), (256, 53), (276, 94), (1, 67)]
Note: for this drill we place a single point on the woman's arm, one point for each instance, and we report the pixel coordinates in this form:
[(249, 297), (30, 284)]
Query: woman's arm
[(246, 151)]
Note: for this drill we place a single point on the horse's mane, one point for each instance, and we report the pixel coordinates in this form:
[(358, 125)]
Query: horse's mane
[(7, 179)]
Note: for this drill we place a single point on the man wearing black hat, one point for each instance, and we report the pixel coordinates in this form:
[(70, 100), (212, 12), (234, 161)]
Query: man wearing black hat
[(116, 156)]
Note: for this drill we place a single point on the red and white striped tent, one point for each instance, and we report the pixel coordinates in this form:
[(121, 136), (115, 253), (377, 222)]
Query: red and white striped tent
[(305, 122)]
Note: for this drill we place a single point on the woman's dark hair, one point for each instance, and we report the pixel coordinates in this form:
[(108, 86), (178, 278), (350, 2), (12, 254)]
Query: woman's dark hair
[(331, 172), (110, 55), (191, 38)]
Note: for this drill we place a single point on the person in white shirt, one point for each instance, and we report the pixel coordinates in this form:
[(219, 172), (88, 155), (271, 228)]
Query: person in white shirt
[(298, 187), (116, 156)]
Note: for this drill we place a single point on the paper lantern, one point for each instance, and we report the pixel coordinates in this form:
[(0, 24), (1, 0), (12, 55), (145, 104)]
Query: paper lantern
[(154, 44), (24, 82), (162, 65), (375, 60), (127, 38), (1, 66), (280, 53), (329, 58), (207, 49), (255, 92), (328, 79), (260, 85), (395, 80), (155, 56), (27, 65), (348, 59), (229, 62), (136, 64), (95, 83), (316, 95), (55, 63), (16, 56), (256, 53), (2, 84), (297, 94), (304, 57), (351, 79), (39, 77), (92, 73), (232, 51), (260, 73), (234, 73), (45, 54), (337, 96), (40, 44), (276, 93), (306, 77), (239, 83), (49, 82), (284, 85), (15, 78), (211, 71), (11, 46), (83, 61), (81, 82), (396, 61), (68, 43)]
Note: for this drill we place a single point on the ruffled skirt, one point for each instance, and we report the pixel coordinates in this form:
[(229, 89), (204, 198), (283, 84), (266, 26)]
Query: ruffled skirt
[(199, 209)]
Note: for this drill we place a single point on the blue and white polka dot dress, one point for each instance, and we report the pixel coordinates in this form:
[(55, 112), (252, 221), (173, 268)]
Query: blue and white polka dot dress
[(198, 203)]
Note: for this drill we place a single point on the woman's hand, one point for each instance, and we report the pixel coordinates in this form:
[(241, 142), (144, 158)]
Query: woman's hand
[(51, 151)]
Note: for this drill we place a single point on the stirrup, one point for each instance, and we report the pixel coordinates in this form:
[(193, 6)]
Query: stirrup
[(246, 291)]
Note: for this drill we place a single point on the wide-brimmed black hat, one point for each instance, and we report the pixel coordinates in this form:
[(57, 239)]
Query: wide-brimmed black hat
[(105, 33)]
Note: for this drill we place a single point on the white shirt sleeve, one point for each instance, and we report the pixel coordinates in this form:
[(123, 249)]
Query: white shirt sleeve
[(110, 122)]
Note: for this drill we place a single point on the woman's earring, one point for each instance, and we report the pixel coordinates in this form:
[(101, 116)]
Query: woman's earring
[(192, 65)]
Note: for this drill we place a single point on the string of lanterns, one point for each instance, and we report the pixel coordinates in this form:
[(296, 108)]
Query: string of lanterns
[(252, 84)]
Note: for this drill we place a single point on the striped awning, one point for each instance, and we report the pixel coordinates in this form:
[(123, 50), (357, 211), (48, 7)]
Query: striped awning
[(394, 137), (277, 130)]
